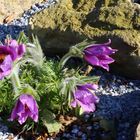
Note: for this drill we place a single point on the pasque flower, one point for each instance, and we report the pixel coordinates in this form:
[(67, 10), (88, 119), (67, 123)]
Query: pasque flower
[(25, 107), (84, 96), (9, 53), (99, 55)]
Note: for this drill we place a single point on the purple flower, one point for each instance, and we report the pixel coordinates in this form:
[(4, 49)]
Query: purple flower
[(25, 107), (9, 53), (98, 55), (85, 97)]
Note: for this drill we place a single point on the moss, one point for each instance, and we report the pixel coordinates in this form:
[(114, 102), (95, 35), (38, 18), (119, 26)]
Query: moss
[(58, 17), (119, 16), (78, 15), (137, 19), (85, 6), (130, 37)]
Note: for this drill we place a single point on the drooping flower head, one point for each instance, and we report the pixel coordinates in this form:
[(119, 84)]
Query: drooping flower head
[(84, 97), (25, 107), (10, 52), (99, 55)]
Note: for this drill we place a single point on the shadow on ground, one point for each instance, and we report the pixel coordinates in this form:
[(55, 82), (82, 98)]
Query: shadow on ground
[(125, 110)]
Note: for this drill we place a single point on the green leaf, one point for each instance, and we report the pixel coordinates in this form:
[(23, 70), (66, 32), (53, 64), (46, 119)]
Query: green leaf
[(85, 43), (50, 122), (86, 79), (22, 38), (64, 59), (35, 51), (67, 86)]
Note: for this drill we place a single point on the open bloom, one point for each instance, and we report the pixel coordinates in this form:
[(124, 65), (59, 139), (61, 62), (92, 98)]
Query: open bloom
[(84, 97), (25, 107), (98, 55), (9, 53)]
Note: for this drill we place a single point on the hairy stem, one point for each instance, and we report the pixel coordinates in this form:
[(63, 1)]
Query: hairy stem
[(64, 59), (16, 82)]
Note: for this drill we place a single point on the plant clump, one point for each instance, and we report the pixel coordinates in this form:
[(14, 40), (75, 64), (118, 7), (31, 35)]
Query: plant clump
[(42, 90)]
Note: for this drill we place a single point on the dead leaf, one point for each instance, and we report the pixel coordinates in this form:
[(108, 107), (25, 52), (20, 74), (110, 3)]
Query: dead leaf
[(9, 18)]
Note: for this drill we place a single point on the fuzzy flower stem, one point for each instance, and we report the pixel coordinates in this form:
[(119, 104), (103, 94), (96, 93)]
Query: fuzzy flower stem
[(64, 59), (16, 82), (74, 52)]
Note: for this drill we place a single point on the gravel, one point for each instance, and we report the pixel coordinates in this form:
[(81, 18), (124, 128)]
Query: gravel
[(113, 85), (119, 96), (5, 134), (119, 100)]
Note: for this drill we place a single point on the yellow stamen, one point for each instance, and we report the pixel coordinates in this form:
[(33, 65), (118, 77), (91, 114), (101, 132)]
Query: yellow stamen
[(2, 57)]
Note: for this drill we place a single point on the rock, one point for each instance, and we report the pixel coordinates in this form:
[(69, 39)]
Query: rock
[(54, 30), (70, 22), (13, 8), (138, 132)]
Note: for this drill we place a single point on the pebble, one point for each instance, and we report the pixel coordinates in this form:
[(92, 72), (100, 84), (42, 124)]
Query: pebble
[(114, 85), (79, 133), (96, 126), (89, 127), (75, 131), (84, 137)]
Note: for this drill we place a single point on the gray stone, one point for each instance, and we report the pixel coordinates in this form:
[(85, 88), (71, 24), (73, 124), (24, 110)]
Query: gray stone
[(70, 22)]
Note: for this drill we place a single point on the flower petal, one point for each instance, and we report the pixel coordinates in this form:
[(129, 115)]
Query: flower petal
[(105, 59), (105, 66), (98, 55), (85, 98), (25, 107), (87, 107), (29, 101), (88, 86), (22, 118), (6, 67), (14, 112), (98, 49), (93, 60), (6, 64), (74, 103), (21, 50), (13, 43)]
